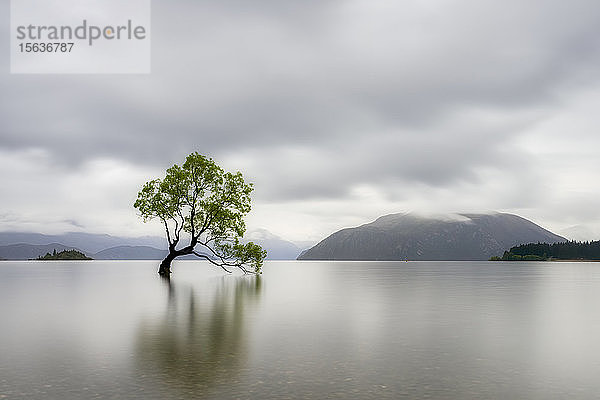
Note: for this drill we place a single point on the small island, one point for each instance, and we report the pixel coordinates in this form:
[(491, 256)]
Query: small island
[(64, 255), (564, 251)]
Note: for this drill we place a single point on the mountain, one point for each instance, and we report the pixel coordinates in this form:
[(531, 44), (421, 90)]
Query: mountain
[(89, 243), (130, 253), (414, 237), (277, 248), (26, 245), (23, 251), (580, 233)]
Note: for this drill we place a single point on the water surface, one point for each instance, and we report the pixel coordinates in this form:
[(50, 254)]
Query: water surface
[(310, 330)]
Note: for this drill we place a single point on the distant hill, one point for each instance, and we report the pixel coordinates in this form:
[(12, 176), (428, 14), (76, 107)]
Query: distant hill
[(277, 248), (579, 233), (23, 251), (130, 253), (64, 255), (89, 243), (414, 237), (25, 246)]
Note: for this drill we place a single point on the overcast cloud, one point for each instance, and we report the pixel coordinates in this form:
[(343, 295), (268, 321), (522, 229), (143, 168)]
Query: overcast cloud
[(339, 111)]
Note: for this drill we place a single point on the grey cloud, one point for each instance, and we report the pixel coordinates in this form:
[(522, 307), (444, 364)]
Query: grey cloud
[(344, 81), (335, 171), (73, 223), (374, 92)]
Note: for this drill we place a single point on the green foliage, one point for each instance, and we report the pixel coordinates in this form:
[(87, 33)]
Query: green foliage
[(570, 250), (508, 256), (209, 204), (533, 257), (64, 255)]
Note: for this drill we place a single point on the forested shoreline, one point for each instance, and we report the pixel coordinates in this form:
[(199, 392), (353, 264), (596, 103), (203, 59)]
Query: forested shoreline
[(571, 250)]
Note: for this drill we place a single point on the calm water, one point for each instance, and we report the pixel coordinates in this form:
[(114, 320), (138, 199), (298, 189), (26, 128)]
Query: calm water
[(306, 330)]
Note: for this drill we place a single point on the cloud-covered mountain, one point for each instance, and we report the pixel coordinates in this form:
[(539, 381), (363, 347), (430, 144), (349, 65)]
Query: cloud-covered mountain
[(415, 237), (580, 233)]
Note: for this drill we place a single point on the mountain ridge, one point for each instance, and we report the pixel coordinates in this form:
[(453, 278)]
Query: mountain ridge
[(28, 245), (461, 237), (89, 243), (26, 251)]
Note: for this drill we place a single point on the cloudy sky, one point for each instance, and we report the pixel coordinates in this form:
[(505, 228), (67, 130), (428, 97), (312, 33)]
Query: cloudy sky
[(338, 110)]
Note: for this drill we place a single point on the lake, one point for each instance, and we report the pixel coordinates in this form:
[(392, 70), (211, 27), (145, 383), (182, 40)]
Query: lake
[(304, 330)]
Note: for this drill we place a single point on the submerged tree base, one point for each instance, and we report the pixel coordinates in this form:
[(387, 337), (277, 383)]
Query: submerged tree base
[(165, 267), (164, 271)]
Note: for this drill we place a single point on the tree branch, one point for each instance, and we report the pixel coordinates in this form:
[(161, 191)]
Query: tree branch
[(207, 221), (224, 260), (204, 256), (168, 233), (179, 227)]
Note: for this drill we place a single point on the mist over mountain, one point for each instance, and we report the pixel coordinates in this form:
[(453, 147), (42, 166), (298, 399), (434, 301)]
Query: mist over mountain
[(579, 233), (277, 248), (415, 237)]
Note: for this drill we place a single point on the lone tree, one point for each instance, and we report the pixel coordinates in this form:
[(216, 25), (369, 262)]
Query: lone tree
[(208, 204)]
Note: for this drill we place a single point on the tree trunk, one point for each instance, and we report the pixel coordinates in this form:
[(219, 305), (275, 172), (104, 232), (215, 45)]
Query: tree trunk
[(165, 265)]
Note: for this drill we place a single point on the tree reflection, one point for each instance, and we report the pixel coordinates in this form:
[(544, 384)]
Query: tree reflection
[(200, 342)]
